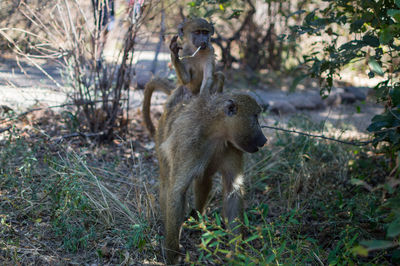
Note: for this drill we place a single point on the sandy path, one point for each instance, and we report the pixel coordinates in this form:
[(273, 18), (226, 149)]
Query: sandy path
[(23, 85)]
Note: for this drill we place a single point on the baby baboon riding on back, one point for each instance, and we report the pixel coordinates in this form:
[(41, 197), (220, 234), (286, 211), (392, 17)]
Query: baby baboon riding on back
[(195, 66)]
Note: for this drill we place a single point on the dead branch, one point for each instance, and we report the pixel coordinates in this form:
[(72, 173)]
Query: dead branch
[(354, 143), (5, 129)]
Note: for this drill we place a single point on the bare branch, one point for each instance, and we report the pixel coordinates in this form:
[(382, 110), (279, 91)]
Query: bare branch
[(354, 143)]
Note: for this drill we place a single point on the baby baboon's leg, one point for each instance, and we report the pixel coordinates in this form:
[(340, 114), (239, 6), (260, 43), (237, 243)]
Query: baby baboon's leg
[(219, 80), (208, 79)]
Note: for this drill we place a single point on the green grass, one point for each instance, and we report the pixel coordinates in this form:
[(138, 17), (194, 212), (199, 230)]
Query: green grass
[(62, 202), (307, 202), (304, 208)]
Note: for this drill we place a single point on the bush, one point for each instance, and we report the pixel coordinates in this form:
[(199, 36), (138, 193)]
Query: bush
[(374, 29)]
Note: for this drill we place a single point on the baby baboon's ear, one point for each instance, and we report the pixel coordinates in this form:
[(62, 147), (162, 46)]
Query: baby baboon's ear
[(230, 108), (180, 29), (211, 30)]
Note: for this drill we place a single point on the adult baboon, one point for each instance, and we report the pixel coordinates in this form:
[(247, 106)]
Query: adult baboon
[(195, 139)]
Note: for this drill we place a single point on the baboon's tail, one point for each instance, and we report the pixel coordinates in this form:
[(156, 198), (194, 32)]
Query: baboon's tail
[(161, 84)]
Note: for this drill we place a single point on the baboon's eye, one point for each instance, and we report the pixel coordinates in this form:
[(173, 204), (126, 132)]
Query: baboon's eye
[(197, 32)]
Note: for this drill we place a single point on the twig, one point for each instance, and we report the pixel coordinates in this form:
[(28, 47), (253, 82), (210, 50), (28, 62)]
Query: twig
[(192, 55), (354, 143), (19, 51), (79, 134), (5, 129), (77, 103), (318, 259), (161, 39)]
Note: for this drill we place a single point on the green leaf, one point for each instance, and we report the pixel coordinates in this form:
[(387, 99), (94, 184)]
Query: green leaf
[(224, 251), (396, 256), (235, 239), (246, 219), (394, 228), (296, 82), (352, 45), (385, 36), (395, 96), (270, 258), (376, 126), (385, 117), (309, 18), (265, 209), (357, 182), (320, 22), (368, 16), (393, 136), (236, 13), (377, 244), (356, 25), (360, 250), (217, 220), (251, 238), (371, 40), (206, 240), (375, 67), (213, 244), (394, 13), (397, 2)]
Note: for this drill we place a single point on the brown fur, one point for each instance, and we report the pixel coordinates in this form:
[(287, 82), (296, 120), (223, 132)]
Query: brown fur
[(196, 73), (195, 139), (154, 84)]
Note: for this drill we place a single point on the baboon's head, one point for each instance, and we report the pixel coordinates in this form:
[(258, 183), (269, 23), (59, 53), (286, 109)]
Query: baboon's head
[(241, 122), (198, 31)]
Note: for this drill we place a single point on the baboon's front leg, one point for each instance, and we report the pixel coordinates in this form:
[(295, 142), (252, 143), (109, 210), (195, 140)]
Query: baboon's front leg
[(175, 215), (202, 188), (232, 174)]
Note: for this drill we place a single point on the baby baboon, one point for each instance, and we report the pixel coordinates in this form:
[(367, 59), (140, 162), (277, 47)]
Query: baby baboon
[(194, 141), (195, 67)]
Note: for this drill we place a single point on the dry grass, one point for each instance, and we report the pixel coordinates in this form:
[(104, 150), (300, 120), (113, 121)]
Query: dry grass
[(77, 202)]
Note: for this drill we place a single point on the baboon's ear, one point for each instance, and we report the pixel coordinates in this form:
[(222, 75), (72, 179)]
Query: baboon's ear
[(212, 29), (230, 108), (180, 29)]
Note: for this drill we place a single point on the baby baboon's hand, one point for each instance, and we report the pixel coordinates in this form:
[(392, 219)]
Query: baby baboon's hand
[(173, 46)]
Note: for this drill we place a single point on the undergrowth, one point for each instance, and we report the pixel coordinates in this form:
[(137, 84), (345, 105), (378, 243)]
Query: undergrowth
[(305, 208), (56, 203), (308, 202)]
